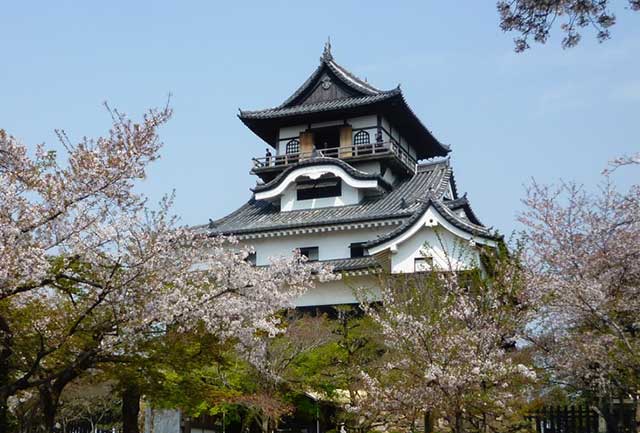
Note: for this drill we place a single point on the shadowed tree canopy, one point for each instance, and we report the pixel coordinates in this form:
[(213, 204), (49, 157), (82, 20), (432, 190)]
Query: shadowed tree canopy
[(536, 18)]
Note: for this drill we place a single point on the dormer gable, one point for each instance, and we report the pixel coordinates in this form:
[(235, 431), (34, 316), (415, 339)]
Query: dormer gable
[(322, 182), (328, 82)]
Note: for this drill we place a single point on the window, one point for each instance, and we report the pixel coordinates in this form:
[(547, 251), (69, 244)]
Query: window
[(357, 249), (319, 188), (362, 137), (311, 253), (326, 138), (251, 258), (293, 146), (422, 264)]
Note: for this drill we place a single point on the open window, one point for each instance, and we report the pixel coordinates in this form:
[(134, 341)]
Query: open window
[(319, 188), (251, 258), (357, 249), (423, 264), (326, 138), (311, 253)]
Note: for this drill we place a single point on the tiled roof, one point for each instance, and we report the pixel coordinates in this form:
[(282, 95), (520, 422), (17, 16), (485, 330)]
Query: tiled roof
[(334, 104), (358, 98), (405, 199), (346, 77), (352, 264), (356, 174), (451, 217), (463, 203)]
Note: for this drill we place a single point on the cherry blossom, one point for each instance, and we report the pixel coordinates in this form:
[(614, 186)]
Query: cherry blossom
[(96, 270)]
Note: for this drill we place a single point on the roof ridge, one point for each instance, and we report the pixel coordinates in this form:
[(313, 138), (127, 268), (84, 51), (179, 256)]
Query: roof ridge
[(343, 74), (351, 76), (322, 104), (446, 160)]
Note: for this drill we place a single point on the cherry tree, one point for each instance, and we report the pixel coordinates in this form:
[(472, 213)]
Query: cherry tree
[(582, 256), (451, 354), (87, 270), (534, 19)]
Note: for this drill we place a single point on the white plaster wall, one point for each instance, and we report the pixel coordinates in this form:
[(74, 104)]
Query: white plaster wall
[(291, 131), (363, 122), (331, 245), (368, 166), (390, 177), (340, 291), (327, 123), (447, 250), (368, 122), (374, 167)]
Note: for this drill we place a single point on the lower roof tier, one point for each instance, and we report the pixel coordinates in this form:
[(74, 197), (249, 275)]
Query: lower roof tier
[(431, 185)]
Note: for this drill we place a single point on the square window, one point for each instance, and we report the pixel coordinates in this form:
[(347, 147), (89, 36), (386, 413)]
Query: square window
[(311, 253), (320, 188), (422, 264), (357, 249), (251, 258)]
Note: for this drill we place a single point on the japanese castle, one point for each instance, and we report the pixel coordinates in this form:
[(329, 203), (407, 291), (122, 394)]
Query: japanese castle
[(356, 180)]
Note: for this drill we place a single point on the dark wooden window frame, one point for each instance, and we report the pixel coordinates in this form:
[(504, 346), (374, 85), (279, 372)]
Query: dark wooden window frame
[(357, 250), (319, 188), (361, 137), (311, 253), (293, 147)]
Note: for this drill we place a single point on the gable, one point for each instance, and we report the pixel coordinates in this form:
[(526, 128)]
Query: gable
[(327, 88), (328, 82)]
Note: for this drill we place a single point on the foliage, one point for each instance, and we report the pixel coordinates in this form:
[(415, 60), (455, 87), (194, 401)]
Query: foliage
[(583, 268), (535, 19), (88, 272), (450, 339)]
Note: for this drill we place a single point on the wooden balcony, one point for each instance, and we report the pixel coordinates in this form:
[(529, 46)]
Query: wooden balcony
[(269, 165)]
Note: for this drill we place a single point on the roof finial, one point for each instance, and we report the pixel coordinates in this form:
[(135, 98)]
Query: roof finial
[(326, 54)]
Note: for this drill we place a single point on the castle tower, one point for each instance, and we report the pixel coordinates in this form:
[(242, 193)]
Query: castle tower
[(356, 180)]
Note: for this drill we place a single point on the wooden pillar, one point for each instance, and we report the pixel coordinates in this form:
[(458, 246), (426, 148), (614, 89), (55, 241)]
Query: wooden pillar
[(306, 144), (346, 141)]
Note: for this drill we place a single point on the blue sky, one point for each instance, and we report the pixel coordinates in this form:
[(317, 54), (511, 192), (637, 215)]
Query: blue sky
[(546, 114)]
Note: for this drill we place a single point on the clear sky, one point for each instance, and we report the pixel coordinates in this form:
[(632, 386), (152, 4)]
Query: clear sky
[(548, 113)]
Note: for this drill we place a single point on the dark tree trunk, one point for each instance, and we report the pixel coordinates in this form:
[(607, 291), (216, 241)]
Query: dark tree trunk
[(4, 414), (130, 409), (6, 340), (49, 406)]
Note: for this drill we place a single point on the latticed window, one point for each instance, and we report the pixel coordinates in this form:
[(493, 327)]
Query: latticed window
[(293, 146), (362, 137)]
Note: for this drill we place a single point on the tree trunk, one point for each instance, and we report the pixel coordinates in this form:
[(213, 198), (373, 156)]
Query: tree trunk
[(130, 409), (458, 422), (49, 406), (264, 423), (6, 340), (4, 413), (637, 412)]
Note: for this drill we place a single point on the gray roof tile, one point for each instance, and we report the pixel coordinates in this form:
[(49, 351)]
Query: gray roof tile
[(352, 264), (334, 104), (406, 197)]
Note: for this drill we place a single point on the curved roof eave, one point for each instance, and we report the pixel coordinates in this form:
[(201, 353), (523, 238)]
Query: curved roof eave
[(470, 228), (353, 172)]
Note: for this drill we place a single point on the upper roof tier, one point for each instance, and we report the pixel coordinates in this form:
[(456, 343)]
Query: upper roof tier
[(331, 93)]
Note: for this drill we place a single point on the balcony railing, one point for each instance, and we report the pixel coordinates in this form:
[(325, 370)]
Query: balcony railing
[(350, 152)]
